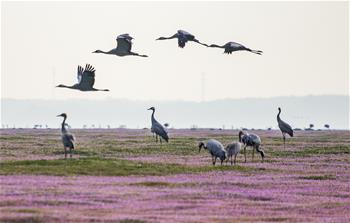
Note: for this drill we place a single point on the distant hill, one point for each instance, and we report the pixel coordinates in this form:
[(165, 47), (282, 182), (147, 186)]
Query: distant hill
[(227, 113)]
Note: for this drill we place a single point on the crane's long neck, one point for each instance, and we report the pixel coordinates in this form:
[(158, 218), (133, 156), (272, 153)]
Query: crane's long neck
[(63, 128), (202, 145), (170, 37), (240, 136), (217, 46), (278, 115), (152, 117), (105, 52), (261, 151), (65, 86)]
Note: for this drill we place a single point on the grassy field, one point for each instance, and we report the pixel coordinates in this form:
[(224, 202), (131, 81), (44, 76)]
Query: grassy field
[(122, 175)]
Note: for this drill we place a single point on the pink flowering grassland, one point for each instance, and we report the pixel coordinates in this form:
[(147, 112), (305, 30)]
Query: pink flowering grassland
[(122, 175)]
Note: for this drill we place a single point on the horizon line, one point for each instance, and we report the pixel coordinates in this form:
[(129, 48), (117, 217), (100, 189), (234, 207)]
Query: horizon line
[(174, 100)]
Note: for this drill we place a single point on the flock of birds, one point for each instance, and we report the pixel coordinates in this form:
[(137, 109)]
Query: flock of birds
[(86, 81), (86, 77)]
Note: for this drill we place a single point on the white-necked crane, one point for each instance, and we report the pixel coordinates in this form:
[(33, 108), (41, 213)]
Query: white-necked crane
[(67, 138), (86, 80), (233, 46), (182, 38), (157, 128), (284, 127), (124, 43)]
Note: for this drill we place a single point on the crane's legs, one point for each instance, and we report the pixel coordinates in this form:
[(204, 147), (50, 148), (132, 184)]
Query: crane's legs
[(234, 160), (65, 152), (214, 160), (245, 155), (253, 153), (71, 152), (284, 141)]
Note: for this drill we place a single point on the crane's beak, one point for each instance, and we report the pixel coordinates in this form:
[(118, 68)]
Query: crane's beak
[(59, 116)]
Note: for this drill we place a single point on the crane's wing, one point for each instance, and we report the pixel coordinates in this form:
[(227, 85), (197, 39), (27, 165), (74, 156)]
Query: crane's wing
[(254, 139), (233, 46), (285, 127), (124, 42), (183, 37), (185, 34), (88, 77), (68, 140), (79, 73), (160, 130)]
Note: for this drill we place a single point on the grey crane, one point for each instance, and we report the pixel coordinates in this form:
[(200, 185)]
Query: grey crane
[(284, 127), (158, 129), (124, 44), (67, 138), (86, 80), (233, 149), (215, 148), (252, 140), (182, 38), (233, 46)]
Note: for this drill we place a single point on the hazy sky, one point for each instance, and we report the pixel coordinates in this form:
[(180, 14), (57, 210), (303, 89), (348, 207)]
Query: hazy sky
[(305, 49)]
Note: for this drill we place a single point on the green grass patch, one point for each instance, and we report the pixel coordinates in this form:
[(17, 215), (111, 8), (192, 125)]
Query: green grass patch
[(318, 177), (105, 167), (161, 184), (30, 219), (13, 138)]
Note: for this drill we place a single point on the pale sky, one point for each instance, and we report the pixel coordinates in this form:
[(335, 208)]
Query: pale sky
[(305, 49)]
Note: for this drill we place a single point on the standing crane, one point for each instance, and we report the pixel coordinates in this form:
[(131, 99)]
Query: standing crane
[(86, 80), (233, 149), (67, 138), (182, 38), (252, 140), (233, 46), (284, 127), (124, 43), (158, 129)]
